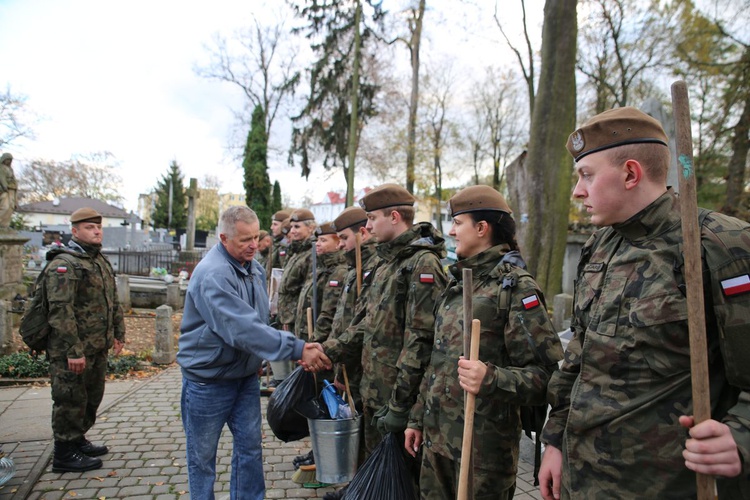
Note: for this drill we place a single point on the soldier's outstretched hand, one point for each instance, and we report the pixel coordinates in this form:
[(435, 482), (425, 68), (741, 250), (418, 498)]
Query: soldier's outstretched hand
[(711, 448), (314, 358), (550, 473)]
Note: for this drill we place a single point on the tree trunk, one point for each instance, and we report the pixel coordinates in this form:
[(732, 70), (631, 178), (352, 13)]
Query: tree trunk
[(354, 118), (738, 162), (416, 38), (548, 163)]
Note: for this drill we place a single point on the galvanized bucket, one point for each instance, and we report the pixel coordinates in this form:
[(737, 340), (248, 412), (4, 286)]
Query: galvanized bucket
[(335, 445)]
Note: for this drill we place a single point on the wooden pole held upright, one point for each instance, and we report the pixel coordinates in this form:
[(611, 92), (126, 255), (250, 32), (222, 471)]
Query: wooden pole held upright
[(465, 491), (358, 260), (467, 277), (693, 271)]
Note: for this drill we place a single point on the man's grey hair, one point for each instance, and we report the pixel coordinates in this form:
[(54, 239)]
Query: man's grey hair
[(232, 216)]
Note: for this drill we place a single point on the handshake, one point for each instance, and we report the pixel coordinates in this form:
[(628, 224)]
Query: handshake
[(314, 358)]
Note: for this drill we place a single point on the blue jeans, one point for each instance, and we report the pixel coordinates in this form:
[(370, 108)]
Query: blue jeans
[(206, 407)]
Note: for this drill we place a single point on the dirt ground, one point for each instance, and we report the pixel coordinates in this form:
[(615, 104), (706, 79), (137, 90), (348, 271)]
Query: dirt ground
[(140, 331)]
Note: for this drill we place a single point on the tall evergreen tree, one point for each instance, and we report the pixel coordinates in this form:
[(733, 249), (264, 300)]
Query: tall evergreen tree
[(179, 200), (255, 165), (342, 90), (276, 204)]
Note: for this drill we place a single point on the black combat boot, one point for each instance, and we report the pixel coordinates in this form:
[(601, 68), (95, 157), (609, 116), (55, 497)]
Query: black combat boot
[(68, 458), (90, 449)]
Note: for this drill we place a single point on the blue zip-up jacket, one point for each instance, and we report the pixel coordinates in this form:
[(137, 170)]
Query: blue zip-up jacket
[(224, 332)]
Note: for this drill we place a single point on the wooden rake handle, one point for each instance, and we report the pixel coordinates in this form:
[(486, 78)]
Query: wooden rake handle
[(468, 441)]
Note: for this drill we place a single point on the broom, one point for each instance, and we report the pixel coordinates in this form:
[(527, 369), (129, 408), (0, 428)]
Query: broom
[(306, 474)]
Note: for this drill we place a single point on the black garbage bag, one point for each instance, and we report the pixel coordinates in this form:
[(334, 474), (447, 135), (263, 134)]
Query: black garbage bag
[(285, 421), (384, 475)]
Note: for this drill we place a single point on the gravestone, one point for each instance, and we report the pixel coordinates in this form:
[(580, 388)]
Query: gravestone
[(11, 285)]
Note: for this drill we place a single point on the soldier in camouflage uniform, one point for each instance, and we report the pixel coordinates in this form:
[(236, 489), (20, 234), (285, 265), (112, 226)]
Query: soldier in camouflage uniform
[(392, 335), (350, 223), (331, 271), (298, 265), (621, 424), (264, 247), (518, 351), (85, 321), (279, 238)]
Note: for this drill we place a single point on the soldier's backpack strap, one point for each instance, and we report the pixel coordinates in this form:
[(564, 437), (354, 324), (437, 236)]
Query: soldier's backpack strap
[(534, 416)]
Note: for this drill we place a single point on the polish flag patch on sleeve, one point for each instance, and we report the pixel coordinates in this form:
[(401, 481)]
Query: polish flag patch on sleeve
[(62, 269), (736, 286), (282, 253), (333, 283), (530, 302), (426, 278)]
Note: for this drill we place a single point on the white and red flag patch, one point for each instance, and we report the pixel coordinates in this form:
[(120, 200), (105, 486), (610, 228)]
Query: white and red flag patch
[(426, 278), (736, 286), (530, 302), (62, 269), (333, 283)]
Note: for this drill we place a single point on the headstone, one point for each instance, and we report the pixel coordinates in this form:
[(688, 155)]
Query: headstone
[(7, 345), (174, 297), (562, 311), (164, 352), (123, 292)]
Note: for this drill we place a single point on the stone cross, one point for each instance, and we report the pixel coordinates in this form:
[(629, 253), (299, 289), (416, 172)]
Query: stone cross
[(192, 196)]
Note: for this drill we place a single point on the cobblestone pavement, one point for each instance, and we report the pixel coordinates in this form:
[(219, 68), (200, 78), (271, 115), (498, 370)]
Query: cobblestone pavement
[(147, 459)]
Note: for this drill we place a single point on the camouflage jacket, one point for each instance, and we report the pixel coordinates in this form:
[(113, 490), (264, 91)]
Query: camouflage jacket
[(626, 375), (262, 258), (518, 345), (346, 306), (331, 270), (296, 271), (393, 331), (84, 311), (279, 252)]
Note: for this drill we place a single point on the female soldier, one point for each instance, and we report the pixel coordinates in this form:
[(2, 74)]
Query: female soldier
[(518, 351)]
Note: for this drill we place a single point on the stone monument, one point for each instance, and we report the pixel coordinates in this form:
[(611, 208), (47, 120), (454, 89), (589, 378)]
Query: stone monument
[(189, 256)]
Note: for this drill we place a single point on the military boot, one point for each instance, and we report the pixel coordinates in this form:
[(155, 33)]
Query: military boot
[(68, 458), (90, 449)]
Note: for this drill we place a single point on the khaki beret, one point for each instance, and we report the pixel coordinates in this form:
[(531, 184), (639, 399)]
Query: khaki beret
[(85, 214), (301, 214), (6, 156), (281, 215), (613, 128), (477, 198), (286, 224), (386, 196), (262, 234), (349, 217), (325, 228)]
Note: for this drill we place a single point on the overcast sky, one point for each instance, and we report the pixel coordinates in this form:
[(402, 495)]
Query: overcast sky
[(118, 76)]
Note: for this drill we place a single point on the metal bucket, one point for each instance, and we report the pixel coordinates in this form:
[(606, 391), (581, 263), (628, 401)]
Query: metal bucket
[(335, 445)]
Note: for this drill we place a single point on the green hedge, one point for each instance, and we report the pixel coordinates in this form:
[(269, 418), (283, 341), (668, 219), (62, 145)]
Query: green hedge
[(23, 365)]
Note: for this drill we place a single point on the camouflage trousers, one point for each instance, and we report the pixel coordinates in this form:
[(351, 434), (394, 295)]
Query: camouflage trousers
[(76, 398), (438, 480)]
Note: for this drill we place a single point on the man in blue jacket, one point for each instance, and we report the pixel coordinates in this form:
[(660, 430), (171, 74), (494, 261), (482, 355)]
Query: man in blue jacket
[(224, 337)]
